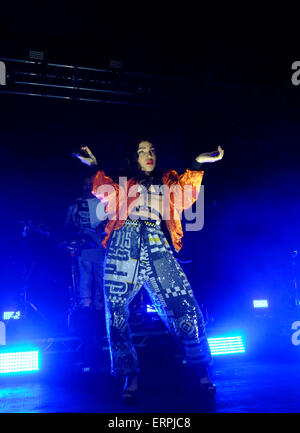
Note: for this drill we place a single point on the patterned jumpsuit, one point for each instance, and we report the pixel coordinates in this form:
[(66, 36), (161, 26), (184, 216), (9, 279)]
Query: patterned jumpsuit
[(139, 255)]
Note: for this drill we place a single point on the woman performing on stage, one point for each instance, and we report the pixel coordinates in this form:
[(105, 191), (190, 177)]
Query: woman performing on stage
[(138, 254)]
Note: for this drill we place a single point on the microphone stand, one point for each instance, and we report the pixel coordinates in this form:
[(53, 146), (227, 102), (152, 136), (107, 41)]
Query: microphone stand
[(25, 301)]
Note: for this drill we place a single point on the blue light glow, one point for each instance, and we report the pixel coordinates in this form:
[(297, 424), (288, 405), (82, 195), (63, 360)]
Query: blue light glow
[(226, 345), (19, 361), (260, 303), (11, 315)]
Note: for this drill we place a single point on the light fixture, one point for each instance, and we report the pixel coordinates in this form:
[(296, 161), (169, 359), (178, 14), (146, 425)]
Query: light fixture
[(38, 56), (19, 361), (226, 345), (260, 303), (11, 315)]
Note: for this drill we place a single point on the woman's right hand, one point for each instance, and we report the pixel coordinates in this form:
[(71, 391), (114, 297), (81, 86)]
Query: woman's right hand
[(86, 156)]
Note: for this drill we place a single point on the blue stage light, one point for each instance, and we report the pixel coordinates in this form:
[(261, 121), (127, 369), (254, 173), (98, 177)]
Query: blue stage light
[(11, 315), (226, 345), (260, 303), (19, 361)]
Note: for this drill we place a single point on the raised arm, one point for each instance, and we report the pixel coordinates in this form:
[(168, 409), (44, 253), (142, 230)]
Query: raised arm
[(191, 179), (103, 186), (86, 156)]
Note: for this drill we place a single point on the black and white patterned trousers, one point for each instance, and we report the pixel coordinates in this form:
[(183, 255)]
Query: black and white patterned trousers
[(138, 255)]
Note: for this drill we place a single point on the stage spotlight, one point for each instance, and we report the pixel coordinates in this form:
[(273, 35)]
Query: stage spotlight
[(19, 361), (260, 303), (37, 56), (116, 64), (226, 345), (11, 315)]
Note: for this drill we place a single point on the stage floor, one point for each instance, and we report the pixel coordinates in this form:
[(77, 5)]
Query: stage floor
[(244, 386)]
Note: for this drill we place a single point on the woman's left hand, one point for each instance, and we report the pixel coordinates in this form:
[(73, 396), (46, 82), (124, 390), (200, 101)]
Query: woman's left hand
[(211, 156)]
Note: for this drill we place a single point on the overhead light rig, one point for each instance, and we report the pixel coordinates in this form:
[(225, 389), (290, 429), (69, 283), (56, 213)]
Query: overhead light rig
[(112, 85), (36, 77)]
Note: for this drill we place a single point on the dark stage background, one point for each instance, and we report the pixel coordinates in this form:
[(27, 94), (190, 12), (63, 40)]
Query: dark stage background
[(238, 94)]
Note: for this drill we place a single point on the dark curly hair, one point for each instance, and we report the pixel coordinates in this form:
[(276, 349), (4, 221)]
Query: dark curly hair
[(130, 167)]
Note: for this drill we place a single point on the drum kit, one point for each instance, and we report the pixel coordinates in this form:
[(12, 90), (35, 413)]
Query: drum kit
[(28, 234)]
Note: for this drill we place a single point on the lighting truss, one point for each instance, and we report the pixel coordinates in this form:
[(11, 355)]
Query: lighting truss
[(111, 85), (60, 344)]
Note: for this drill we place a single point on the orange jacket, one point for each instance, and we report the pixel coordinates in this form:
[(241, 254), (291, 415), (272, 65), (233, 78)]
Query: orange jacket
[(120, 198)]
